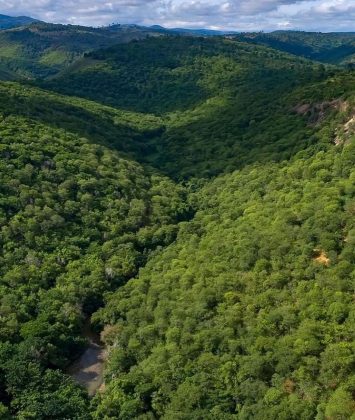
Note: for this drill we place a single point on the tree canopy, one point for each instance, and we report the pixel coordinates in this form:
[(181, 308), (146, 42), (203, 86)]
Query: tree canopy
[(195, 199)]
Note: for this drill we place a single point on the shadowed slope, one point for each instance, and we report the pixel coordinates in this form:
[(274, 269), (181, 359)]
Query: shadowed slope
[(223, 103)]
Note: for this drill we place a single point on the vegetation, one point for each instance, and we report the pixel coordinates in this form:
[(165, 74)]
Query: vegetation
[(76, 220), (215, 97), (168, 74), (194, 198), (249, 314), (31, 49), (7, 22), (334, 48), (42, 50)]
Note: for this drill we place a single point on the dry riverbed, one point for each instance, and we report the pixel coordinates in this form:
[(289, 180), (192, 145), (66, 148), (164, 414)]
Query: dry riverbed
[(88, 369)]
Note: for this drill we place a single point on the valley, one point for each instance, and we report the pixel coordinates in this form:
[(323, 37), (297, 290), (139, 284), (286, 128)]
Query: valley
[(194, 198)]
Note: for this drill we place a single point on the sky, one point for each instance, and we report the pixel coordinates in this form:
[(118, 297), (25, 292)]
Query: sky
[(239, 15)]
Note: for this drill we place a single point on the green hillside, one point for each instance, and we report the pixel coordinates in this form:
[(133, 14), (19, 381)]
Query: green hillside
[(7, 22), (77, 220), (216, 97), (168, 74), (333, 48), (194, 199), (125, 131), (42, 49), (249, 315)]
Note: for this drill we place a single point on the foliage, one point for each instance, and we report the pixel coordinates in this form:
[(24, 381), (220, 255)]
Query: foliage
[(76, 221), (238, 318), (226, 297), (334, 48), (172, 73), (42, 49), (216, 98)]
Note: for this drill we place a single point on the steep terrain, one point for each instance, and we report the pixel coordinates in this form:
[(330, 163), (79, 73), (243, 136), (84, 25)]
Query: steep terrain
[(193, 199), (215, 97), (249, 314), (77, 220)]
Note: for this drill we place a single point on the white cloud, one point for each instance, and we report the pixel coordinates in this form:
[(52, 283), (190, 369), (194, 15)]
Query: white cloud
[(325, 15)]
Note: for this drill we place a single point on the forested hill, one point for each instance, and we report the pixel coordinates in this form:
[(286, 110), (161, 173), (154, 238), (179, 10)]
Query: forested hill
[(32, 49), (42, 49), (334, 48), (7, 22), (249, 314), (168, 74), (195, 199), (223, 103), (124, 131), (77, 220)]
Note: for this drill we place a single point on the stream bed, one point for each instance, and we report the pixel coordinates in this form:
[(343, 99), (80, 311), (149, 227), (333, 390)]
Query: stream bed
[(87, 370)]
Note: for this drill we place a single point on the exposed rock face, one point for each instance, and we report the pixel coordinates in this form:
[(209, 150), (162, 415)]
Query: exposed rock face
[(317, 112), (345, 132)]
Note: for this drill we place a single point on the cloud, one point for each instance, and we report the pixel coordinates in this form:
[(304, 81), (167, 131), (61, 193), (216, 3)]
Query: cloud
[(322, 15)]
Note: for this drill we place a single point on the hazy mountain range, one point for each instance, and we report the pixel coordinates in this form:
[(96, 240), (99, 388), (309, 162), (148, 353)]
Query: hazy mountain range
[(7, 22)]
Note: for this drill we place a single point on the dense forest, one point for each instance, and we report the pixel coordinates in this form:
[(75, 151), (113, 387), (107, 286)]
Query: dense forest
[(214, 97), (334, 48), (41, 50), (249, 314), (31, 49), (77, 220), (194, 198)]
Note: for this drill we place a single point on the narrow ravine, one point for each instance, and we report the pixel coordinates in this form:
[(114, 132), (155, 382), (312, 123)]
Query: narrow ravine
[(88, 369)]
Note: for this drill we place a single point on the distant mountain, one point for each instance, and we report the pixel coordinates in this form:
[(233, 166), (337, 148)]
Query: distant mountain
[(192, 32), (42, 50), (333, 48), (7, 22), (158, 29)]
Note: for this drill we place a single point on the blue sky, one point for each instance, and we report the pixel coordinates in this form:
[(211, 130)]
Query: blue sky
[(242, 15)]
